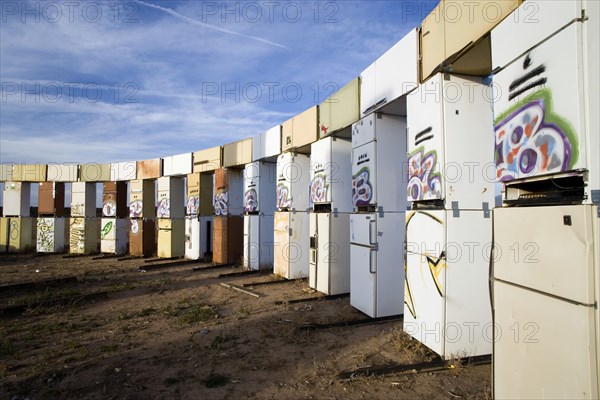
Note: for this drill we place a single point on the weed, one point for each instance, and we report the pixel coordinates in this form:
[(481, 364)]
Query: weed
[(244, 312), (197, 313), (145, 312), (220, 340)]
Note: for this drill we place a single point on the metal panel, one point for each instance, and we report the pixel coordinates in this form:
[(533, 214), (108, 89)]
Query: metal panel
[(341, 109), (63, 172), (50, 236), (177, 165), (208, 160), (94, 172), (149, 169), (29, 172), (123, 171), (237, 153)]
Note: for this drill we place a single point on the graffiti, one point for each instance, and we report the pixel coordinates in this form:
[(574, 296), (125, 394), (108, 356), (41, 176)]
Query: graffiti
[(77, 235), (134, 226), (106, 229), (78, 209), (435, 264), (221, 204), (164, 208), (45, 235), (251, 201), (324, 130), (423, 182), (362, 191), (14, 232), (136, 208), (283, 196), (318, 188), (109, 208), (193, 204), (532, 140)]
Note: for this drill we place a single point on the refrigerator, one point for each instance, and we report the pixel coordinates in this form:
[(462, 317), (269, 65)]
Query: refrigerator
[(84, 235), (63, 172), (178, 165), (16, 234), (50, 236), (293, 181), (123, 171), (83, 199), (451, 192), (51, 199), (198, 220), (94, 172), (114, 233), (17, 199), (171, 238), (545, 104), (4, 223), (545, 302), (142, 211), (267, 145), (114, 199), (149, 169), (238, 153), (142, 237), (377, 223), (340, 110), (29, 172), (170, 197), (259, 208), (291, 248), (228, 221), (300, 130), (208, 160), (329, 221)]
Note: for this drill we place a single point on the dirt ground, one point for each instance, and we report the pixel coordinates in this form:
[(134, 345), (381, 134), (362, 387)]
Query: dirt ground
[(176, 333)]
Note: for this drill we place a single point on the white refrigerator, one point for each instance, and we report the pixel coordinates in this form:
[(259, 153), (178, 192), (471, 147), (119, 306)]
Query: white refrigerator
[(198, 236), (259, 209), (114, 235), (447, 300), (545, 302), (293, 180), (291, 247), (50, 237), (331, 185), (377, 226)]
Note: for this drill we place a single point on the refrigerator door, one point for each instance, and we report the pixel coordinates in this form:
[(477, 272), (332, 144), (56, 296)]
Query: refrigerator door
[(368, 89), (324, 253), (62, 172), (314, 250), (252, 242), (540, 111), (526, 255), (271, 142), (207, 160), (364, 174), (363, 263), (193, 238), (246, 261), (425, 277), (252, 187), (364, 130), (397, 69), (149, 169), (4, 224), (123, 171), (299, 245), (94, 172), (293, 180), (305, 128), (534, 331), (426, 142), (320, 171), (237, 153), (45, 235), (281, 247), (17, 197), (340, 110)]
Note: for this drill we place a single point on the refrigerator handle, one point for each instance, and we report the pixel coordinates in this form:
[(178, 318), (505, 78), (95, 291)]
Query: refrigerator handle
[(373, 261), (372, 233)]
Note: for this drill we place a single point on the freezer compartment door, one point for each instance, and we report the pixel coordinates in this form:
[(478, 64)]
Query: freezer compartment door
[(550, 249), (534, 331), (425, 278), (364, 174), (426, 141), (539, 116)]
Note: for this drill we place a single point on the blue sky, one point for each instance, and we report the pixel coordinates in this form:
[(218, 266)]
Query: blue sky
[(108, 81)]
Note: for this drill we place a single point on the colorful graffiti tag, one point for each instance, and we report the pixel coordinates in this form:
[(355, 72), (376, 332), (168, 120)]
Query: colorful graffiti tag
[(136, 208), (45, 235), (251, 201), (434, 262), (164, 208), (362, 191), (106, 229), (424, 182), (77, 235), (531, 140), (193, 204), (284, 199), (134, 226), (319, 188), (221, 204)]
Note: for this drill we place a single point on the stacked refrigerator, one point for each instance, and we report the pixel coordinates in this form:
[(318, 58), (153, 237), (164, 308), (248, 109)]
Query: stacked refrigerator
[(198, 220), (16, 226), (448, 230), (546, 264), (50, 234), (142, 211), (114, 227), (291, 221), (259, 208), (170, 214), (83, 224), (377, 224), (228, 223), (330, 188)]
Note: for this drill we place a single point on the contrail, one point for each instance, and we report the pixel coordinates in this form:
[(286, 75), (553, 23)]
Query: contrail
[(175, 14)]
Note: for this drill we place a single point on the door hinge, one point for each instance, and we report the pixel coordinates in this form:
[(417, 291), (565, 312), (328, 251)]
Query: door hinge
[(486, 209), (455, 210)]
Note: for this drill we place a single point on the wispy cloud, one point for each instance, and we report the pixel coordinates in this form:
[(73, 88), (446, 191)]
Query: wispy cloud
[(175, 14)]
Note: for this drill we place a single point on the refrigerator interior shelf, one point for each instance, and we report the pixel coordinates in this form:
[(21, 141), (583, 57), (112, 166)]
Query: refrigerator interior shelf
[(562, 189)]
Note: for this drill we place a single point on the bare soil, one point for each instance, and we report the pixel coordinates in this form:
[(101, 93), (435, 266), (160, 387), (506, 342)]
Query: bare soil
[(175, 333)]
